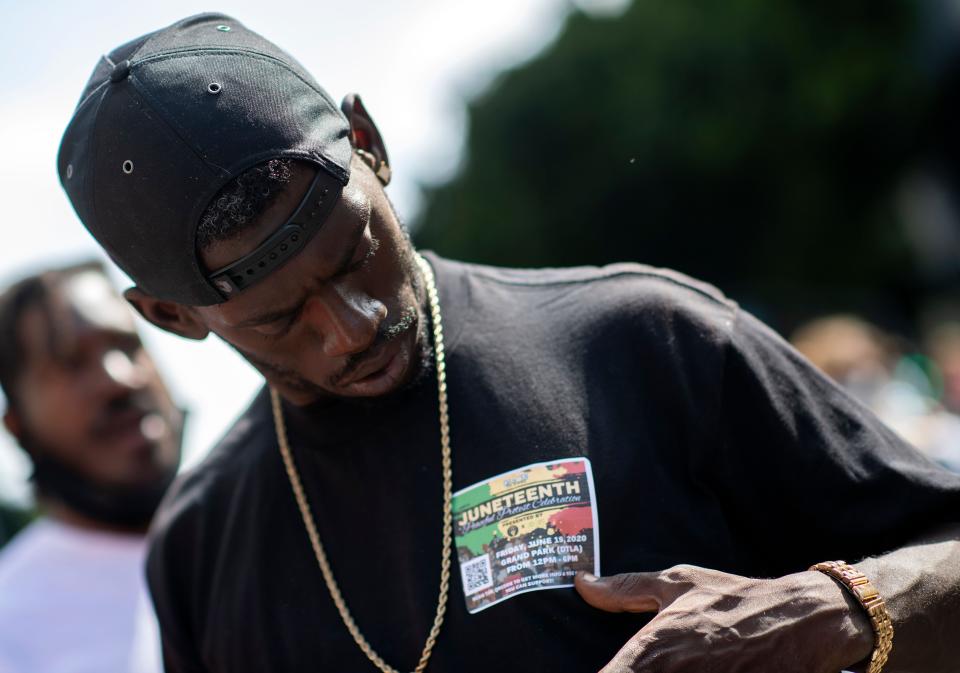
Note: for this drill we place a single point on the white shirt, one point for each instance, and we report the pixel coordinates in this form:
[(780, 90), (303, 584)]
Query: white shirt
[(75, 601)]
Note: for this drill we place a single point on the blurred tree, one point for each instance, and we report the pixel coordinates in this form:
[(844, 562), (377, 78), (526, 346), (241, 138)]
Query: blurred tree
[(754, 144)]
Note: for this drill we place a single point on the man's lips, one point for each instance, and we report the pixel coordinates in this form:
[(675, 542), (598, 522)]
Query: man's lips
[(383, 380), (131, 425), (118, 422), (379, 359)]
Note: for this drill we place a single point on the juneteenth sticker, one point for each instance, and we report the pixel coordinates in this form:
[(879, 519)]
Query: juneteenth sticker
[(529, 529)]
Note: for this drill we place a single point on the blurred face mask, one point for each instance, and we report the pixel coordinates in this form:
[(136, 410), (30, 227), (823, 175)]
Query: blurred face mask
[(866, 384)]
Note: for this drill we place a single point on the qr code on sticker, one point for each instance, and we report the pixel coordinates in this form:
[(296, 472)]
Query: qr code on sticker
[(477, 574)]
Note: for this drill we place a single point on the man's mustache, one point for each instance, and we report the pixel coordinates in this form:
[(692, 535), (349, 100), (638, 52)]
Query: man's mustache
[(119, 409), (386, 333)]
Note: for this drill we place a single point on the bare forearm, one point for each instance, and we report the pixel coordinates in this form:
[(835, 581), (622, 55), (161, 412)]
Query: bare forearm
[(921, 586), (800, 623)]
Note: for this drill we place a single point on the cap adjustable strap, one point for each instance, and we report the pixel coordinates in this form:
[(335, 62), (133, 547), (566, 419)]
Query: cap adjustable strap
[(285, 242)]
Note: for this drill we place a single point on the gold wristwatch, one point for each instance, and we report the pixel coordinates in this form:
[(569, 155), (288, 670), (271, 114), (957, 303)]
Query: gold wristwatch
[(858, 584)]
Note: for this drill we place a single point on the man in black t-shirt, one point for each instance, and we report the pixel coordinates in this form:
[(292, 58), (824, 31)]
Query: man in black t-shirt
[(626, 418)]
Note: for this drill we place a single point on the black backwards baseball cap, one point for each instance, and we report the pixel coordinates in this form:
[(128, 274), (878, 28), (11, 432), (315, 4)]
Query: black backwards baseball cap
[(167, 120)]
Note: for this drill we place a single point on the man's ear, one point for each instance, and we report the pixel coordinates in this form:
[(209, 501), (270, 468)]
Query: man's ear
[(170, 316), (366, 138)]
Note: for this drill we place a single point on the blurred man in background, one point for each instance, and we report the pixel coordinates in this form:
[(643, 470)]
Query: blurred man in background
[(86, 403)]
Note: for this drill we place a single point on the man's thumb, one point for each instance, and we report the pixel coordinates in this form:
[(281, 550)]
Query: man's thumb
[(627, 592)]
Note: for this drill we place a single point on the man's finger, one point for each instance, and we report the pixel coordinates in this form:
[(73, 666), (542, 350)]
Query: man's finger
[(628, 592)]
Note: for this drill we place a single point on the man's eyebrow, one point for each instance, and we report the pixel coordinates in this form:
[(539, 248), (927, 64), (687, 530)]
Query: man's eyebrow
[(269, 317)]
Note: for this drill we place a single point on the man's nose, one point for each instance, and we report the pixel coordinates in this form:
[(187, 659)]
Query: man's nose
[(346, 321), (119, 372)]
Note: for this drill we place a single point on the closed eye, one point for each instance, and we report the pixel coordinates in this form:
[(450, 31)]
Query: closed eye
[(280, 326), (361, 257)]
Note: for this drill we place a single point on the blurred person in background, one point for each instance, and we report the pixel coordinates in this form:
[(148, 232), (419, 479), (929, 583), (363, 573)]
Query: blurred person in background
[(244, 202), (87, 405), (943, 345), (875, 369), (851, 351)]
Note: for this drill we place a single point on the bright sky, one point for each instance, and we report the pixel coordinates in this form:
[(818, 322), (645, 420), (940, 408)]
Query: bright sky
[(415, 63)]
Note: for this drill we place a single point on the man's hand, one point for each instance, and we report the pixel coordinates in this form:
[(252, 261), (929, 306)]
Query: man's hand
[(713, 622)]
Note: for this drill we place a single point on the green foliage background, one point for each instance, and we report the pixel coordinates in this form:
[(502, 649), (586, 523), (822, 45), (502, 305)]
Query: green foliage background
[(755, 144)]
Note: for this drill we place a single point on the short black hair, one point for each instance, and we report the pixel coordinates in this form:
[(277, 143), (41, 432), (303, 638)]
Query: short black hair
[(242, 200), (24, 295)]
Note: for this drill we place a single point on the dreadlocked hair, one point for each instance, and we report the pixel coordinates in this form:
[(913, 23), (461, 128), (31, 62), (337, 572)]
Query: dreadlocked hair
[(242, 200)]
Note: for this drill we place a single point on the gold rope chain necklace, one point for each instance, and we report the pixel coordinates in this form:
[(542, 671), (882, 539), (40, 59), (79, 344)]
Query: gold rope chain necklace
[(311, 527)]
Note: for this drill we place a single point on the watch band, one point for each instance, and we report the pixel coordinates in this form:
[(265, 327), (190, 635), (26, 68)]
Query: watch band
[(860, 587)]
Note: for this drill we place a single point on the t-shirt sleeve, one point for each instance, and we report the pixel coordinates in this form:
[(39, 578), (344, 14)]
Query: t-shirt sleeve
[(804, 472), (170, 589)]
